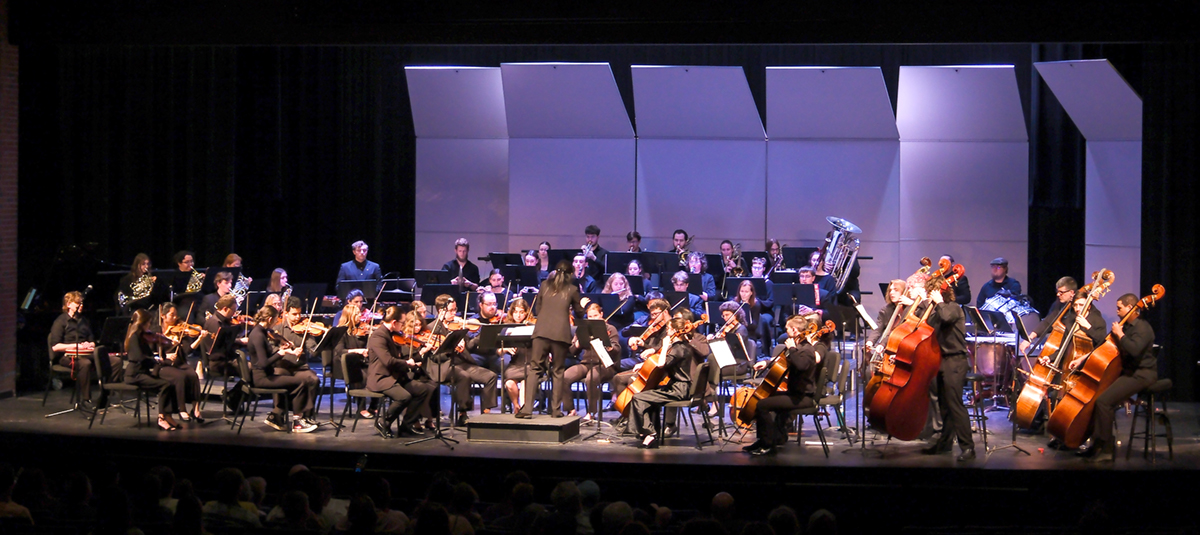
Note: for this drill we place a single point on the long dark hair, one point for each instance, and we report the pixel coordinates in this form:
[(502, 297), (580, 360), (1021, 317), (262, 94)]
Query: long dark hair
[(137, 264), (562, 278), (137, 326)]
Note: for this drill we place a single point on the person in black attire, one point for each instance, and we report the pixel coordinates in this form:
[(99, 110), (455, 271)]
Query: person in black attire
[(594, 252), (697, 263), (679, 282), (141, 368), (585, 282), (738, 337), (962, 288), (141, 266), (825, 285), (223, 282), (186, 262), (390, 375), (1000, 282), (460, 369), (895, 292), (590, 366), (1090, 324), (354, 348), (360, 268), (219, 337), (263, 361), (462, 271), (175, 368), (757, 314), (489, 313), (949, 325), (1139, 370), (802, 360), (518, 363), (680, 362), (552, 335), (1065, 290), (71, 331)]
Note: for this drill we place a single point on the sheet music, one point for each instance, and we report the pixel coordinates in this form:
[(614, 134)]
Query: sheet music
[(523, 330), (870, 322), (720, 351), (599, 347)]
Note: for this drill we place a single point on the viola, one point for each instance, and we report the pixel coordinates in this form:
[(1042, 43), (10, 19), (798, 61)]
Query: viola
[(1070, 420), (652, 374)]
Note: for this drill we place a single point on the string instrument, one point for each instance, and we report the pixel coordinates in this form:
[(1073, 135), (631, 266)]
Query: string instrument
[(651, 374), (877, 361), (310, 328), (417, 340), (242, 319), (745, 405), (886, 352), (902, 402), (184, 330), (1043, 376), (1071, 419)]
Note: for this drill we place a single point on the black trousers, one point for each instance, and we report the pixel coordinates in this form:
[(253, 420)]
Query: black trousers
[(303, 384), (768, 424), (647, 401), (413, 395), (622, 380), (597, 376), (465, 374), (1107, 402), (166, 396), (539, 365), (83, 372), (184, 382), (951, 379)]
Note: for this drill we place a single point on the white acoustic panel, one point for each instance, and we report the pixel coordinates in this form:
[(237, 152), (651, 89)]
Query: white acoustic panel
[(456, 102), (1113, 222), (968, 191), (559, 186), (694, 103), (563, 100), (975, 256), (963, 103), (713, 189), (1096, 96), (828, 103), (461, 187)]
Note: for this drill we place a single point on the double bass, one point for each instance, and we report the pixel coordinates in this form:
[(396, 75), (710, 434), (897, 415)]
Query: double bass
[(885, 353), (652, 374), (746, 400), (1071, 420), (1041, 379)]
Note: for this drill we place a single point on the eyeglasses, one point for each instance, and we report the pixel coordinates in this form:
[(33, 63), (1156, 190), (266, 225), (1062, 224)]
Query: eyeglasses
[(1060, 292)]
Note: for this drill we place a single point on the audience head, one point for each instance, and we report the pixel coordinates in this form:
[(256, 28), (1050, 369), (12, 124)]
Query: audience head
[(229, 483), (432, 519), (295, 507), (784, 521), (822, 522), (361, 515), (616, 516), (258, 489), (589, 493), (566, 498), (189, 517), (722, 506)]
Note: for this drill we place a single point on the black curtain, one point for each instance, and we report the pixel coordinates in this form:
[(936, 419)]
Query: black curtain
[(286, 155)]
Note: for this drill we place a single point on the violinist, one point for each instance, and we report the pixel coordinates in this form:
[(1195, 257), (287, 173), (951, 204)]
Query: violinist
[(680, 283), (962, 288), (294, 318), (175, 368), (617, 284), (460, 370), (757, 315), (223, 281), (592, 251), (1000, 283), (1064, 291), (73, 345), (141, 367), (681, 362), (264, 360), (590, 366), (391, 375), (489, 314), (949, 326), (634, 239), (585, 282), (552, 336), (518, 363), (802, 359), (462, 271), (734, 316), (220, 336), (354, 348), (1139, 370), (359, 268), (698, 264)]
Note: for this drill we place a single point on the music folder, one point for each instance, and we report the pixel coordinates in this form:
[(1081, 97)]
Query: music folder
[(594, 333), (451, 342)]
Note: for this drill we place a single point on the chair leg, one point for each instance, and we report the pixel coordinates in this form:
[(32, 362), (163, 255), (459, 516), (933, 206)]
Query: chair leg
[(1170, 433), (820, 433), (695, 432), (345, 411), (92, 420), (1132, 428), (1149, 438)]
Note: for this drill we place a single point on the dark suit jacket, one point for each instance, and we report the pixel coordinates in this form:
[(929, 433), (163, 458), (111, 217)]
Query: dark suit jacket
[(350, 271), (385, 369), (553, 322), (470, 271)]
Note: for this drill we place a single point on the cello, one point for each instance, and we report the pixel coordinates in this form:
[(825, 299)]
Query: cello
[(1071, 420), (1041, 379), (774, 380), (886, 356), (652, 374)]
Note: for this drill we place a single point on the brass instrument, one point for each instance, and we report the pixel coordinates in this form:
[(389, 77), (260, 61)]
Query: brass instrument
[(684, 252), (777, 263), (840, 250), (240, 288), (739, 263), (195, 282), (140, 289), (287, 294)]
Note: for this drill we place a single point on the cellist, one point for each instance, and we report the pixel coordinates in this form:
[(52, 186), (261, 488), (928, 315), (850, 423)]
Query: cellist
[(680, 363), (1139, 370), (894, 297), (949, 325), (802, 359)]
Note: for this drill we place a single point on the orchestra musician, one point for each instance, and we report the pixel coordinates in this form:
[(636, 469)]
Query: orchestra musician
[(543, 261), (635, 269), (220, 334), (590, 366), (679, 241), (489, 313), (530, 258), (462, 271), (1090, 322), (359, 268), (695, 303), (586, 283), (824, 288), (1064, 291), (697, 263), (758, 270), (391, 375), (353, 345), (624, 315), (354, 299), (141, 368), (175, 368), (292, 317), (802, 361), (139, 268), (634, 239), (1000, 283), (72, 332), (269, 372), (223, 281), (727, 261), (949, 325), (681, 364), (552, 336), (738, 337), (962, 288), (893, 299), (1139, 370), (757, 314), (514, 371), (495, 284), (592, 251), (460, 370), (774, 255), (279, 281), (185, 261)]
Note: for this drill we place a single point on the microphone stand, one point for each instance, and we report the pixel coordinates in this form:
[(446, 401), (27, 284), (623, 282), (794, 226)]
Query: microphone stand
[(437, 422)]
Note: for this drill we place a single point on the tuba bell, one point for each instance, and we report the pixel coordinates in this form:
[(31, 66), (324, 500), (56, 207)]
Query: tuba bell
[(841, 248), (140, 289)]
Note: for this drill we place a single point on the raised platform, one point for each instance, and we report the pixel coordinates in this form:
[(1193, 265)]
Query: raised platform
[(508, 428)]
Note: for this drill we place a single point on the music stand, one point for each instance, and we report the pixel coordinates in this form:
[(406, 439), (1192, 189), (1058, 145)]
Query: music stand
[(785, 276), (430, 276), (585, 332), (499, 260), (369, 287), (696, 283), (430, 293), (616, 261), (797, 256), (448, 346), (327, 343), (637, 284), (608, 302)]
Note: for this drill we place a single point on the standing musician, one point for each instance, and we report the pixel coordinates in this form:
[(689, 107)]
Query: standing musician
[(758, 315), (802, 360), (618, 285), (1000, 282), (265, 367), (390, 375), (353, 345), (141, 368), (139, 275), (590, 366), (72, 332), (223, 281), (460, 370), (489, 313), (634, 239), (1139, 370), (552, 336), (592, 251), (698, 264), (681, 364), (462, 271), (949, 325), (220, 334), (360, 268), (962, 288), (514, 372), (586, 283), (175, 368), (680, 283), (1064, 291)]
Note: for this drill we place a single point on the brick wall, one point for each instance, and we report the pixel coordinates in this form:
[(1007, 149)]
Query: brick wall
[(8, 208)]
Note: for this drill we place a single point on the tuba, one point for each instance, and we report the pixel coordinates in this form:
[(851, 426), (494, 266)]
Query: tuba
[(841, 248), (195, 282), (140, 289)]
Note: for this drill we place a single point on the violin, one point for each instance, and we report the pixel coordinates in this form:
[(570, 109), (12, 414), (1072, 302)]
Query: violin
[(184, 330), (310, 327), (278, 339), (416, 340), (242, 320), (155, 337)]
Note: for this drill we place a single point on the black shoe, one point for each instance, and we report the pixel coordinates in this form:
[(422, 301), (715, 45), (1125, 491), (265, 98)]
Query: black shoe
[(967, 455), (757, 444), (87, 405), (276, 422), (670, 431), (522, 416), (418, 427), (1054, 444), (407, 431), (765, 450), (935, 449), (462, 419), (557, 414), (384, 428), (1105, 457), (1088, 453)]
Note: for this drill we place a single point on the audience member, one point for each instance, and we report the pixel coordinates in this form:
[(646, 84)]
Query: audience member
[(724, 512), (189, 517), (784, 521), (822, 522), (362, 517), (9, 508), (227, 510), (166, 496), (505, 507), (297, 515), (616, 515), (32, 491)]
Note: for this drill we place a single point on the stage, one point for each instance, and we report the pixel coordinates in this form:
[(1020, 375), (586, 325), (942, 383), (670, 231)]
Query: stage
[(885, 483)]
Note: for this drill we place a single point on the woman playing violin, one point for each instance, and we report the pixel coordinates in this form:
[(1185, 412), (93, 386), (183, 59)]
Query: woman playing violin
[(680, 362), (141, 367), (264, 359), (175, 367), (734, 332), (354, 348), (801, 361)]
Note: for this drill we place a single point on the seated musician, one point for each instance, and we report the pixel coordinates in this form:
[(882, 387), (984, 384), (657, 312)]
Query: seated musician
[(175, 367), (895, 294), (962, 288), (757, 314), (489, 313), (543, 261), (1090, 322), (634, 239), (220, 334), (586, 283), (73, 345), (640, 348), (518, 364), (850, 294), (618, 285), (462, 271), (1139, 370), (727, 261), (802, 359), (635, 269), (737, 337), (223, 281), (822, 294), (392, 375), (137, 284), (269, 372), (292, 317), (353, 299), (141, 368), (185, 261), (590, 366), (530, 258), (680, 366), (949, 326), (1065, 290), (353, 345), (360, 268), (774, 255), (680, 283), (592, 251), (495, 284), (698, 264), (679, 241), (460, 369), (1000, 282)]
